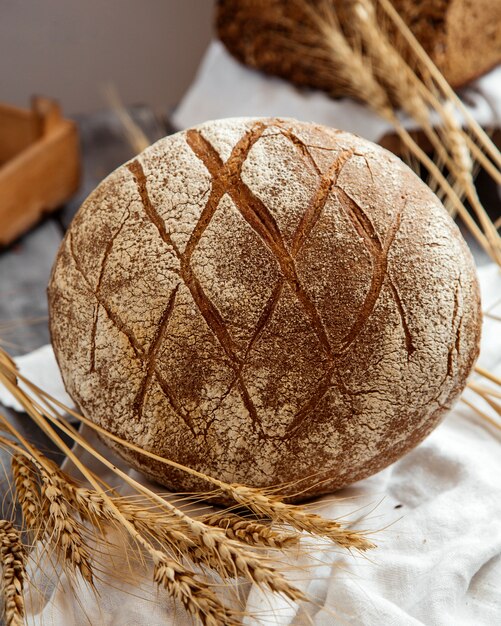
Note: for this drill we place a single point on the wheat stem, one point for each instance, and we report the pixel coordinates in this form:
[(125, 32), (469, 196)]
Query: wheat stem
[(133, 132), (482, 414), (230, 554), (489, 375), (451, 194), (484, 390), (492, 403), (356, 72), (462, 158), (197, 596)]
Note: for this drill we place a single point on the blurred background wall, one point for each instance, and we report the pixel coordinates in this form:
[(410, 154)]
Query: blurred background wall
[(68, 49)]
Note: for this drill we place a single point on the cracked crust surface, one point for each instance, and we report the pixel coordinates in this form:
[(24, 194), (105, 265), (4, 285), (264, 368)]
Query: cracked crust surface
[(266, 301)]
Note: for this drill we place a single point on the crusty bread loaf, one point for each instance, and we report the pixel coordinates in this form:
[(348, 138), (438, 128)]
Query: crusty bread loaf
[(265, 300), (462, 37)]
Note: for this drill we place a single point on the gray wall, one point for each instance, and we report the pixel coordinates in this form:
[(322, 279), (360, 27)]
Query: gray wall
[(68, 49)]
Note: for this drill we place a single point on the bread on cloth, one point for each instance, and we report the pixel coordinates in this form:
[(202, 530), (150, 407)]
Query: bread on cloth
[(267, 301), (462, 37)]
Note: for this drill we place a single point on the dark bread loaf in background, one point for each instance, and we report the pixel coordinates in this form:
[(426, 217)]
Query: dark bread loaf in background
[(463, 37), (267, 301)]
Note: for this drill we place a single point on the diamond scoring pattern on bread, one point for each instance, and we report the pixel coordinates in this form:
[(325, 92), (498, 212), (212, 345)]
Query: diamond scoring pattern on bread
[(312, 308)]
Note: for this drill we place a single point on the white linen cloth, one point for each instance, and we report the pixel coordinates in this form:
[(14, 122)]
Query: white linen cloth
[(223, 87), (438, 560)]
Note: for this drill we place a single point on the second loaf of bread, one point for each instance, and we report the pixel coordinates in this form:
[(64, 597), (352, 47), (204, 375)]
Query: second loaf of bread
[(463, 38)]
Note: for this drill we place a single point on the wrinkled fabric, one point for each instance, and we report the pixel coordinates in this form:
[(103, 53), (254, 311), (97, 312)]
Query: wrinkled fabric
[(223, 87)]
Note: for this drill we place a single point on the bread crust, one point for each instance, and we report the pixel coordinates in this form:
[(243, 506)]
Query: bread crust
[(266, 301), (463, 38)]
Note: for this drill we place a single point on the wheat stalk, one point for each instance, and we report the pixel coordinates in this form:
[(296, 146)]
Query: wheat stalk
[(237, 561), (489, 375), (44, 507), (387, 64), (133, 132), (233, 558), (13, 573), (407, 89), (485, 416), (297, 517), (95, 508), (378, 76), (485, 390), (490, 395), (196, 596), (211, 545), (399, 79), (202, 601), (349, 64)]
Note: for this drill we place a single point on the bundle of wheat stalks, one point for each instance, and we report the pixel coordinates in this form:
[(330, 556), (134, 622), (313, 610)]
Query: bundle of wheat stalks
[(188, 553)]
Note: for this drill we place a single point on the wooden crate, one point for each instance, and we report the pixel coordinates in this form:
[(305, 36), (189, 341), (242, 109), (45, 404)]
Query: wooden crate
[(39, 164)]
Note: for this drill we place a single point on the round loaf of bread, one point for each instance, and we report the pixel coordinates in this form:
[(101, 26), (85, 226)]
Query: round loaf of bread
[(266, 301)]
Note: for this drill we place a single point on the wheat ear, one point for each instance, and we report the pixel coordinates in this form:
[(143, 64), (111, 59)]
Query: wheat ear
[(395, 74), (354, 70), (217, 545), (61, 526), (231, 555), (195, 596), (93, 507), (13, 573), (297, 517), (57, 523), (199, 599), (250, 532), (232, 558), (28, 493)]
